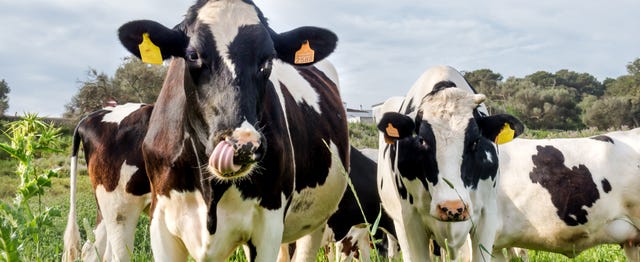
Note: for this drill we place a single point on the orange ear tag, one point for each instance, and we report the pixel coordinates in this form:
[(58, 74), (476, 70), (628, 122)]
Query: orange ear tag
[(149, 52), (390, 132), (305, 54)]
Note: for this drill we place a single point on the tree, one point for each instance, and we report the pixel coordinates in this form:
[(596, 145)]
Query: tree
[(139, 82), (134, 81), (615, 111), (547, 108), (93, 95), (584, 83), (4, 96)]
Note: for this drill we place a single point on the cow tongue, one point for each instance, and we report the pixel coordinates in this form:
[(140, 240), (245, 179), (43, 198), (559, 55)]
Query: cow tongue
[(222, 158)]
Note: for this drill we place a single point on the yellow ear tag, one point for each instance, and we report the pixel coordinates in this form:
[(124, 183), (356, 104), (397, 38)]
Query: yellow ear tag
[(506, 135), (149, 52), (305, 54)]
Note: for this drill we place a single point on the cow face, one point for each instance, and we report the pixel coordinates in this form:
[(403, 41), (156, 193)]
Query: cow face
[(446, 148), (229, 51)]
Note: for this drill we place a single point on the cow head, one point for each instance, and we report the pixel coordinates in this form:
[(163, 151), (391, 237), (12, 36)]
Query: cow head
[(229, 51), (446, 148)]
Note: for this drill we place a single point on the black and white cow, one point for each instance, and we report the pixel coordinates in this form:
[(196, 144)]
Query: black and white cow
[(111, 139), (243, 146), (346, 234), (438, 164), (567, 195)]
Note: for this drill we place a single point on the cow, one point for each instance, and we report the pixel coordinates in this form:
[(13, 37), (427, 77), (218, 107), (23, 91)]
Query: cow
[(346, 233), (566, 195), (438, 164), (111, 139), (247, 142)]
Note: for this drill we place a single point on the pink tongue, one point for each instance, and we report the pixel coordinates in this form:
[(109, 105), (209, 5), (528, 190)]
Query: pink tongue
[(222, 158)]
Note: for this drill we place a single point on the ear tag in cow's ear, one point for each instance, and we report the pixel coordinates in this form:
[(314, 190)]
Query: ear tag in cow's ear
[(506, 135), (390, 132), (149, 52), (305, 54)]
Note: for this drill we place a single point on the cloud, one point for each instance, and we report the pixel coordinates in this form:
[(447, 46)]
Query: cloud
[(48, 45)]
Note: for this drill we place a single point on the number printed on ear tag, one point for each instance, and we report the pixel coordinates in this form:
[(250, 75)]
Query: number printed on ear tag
[(305, 54)]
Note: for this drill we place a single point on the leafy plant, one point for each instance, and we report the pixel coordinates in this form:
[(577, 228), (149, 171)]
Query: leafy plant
[(23, 222)]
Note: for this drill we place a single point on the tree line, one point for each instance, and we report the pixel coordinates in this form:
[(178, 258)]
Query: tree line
[(564, 100)]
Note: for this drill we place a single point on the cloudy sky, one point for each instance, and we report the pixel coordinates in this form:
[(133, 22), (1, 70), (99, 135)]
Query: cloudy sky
[(47, 46)]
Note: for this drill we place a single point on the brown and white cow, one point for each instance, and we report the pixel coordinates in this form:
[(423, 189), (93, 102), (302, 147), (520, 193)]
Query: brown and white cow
[(438, 165), (243, 145), (569, 194), (111, 139)]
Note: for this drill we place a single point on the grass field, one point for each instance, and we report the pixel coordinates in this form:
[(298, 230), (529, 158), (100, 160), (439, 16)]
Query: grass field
[(58, 196)]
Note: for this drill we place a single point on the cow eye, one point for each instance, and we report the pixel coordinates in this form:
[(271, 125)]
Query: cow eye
[(423, 143), (192, 56), (265, 68)]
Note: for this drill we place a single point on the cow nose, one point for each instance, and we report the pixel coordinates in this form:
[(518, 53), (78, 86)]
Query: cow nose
[(454, 210)]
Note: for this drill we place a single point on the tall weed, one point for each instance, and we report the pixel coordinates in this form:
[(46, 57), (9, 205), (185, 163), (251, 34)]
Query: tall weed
[(23, 223)]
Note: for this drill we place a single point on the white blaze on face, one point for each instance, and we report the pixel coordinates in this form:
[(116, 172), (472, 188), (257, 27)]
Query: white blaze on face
[(449, 112), (224, 18), (118, 113)]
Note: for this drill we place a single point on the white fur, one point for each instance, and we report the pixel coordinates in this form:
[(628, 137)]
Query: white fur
[(329, 70), (120, 212), (72, 232), (224, 18), (119, 112), (529, 217), (299, 88)]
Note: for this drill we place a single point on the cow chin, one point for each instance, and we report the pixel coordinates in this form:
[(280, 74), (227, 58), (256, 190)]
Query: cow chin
[(241, 172)]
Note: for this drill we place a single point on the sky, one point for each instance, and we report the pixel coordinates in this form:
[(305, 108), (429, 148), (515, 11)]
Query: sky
[(48, 46)]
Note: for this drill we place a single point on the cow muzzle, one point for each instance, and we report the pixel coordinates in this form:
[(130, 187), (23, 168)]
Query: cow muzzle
[(452, 211), (237, 154)]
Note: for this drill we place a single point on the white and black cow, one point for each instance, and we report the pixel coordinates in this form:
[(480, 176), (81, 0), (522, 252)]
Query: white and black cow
[(346, 233), (111, 139), (243, 146), (438, 165), (567, 195)]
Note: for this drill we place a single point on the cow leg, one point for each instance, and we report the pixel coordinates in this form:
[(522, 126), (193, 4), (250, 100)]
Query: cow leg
[(483, 236), (165, 245), (268, 236), (120, 213), (415, 247), (307, 246), (96, 250), (392, 248)]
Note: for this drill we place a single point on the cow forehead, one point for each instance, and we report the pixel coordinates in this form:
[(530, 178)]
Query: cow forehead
[(448, 112), (224, 19)]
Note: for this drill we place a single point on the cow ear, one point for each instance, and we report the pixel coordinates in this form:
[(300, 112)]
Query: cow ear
[(500, 128), (170, 42), (395, 126), (304, 45)]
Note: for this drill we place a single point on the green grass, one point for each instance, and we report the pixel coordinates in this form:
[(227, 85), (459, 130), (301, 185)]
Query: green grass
[(58, 196)]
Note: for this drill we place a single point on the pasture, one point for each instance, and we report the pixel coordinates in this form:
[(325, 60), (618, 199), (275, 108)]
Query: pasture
[(58, 196)]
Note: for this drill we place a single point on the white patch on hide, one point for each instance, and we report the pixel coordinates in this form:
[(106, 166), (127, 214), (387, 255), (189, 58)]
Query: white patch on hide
[(119, 112)]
